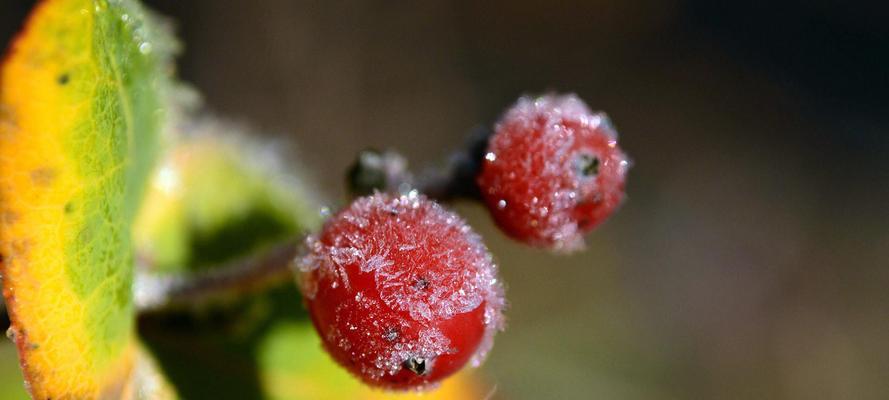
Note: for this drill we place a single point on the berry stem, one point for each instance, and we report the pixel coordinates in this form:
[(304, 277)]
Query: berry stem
[(387, 172), (374, 170), (157, 293), (457, 180)]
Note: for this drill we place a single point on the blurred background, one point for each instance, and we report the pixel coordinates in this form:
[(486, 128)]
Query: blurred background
[(751, 260)]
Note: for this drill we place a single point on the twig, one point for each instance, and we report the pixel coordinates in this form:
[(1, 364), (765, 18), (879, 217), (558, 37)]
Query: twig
[(387, 172), (154, 292), (457, 180)]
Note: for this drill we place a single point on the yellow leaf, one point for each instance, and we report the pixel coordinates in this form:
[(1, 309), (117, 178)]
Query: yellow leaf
[(80, 112)]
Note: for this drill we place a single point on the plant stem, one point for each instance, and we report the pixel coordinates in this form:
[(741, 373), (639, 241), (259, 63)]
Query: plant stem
[(457, 180), (156, 292), (387, 172)]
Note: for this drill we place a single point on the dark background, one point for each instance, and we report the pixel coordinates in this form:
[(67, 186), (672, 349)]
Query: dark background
[(751, 260)]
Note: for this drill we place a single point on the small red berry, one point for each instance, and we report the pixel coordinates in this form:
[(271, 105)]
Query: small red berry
[(552, 171), (402, 292)]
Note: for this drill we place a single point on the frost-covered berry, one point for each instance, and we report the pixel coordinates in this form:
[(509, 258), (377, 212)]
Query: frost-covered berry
[(552, 171), (402, 292)]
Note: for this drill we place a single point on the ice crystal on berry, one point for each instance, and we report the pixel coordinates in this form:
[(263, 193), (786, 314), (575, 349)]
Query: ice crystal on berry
[(553, 171), (402, 291)]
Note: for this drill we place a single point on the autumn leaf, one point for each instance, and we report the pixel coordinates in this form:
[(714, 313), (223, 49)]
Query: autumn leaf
[(81, 109)]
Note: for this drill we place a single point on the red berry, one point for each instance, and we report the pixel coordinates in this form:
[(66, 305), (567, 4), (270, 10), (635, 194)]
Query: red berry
[(552, 171), (402, 292)]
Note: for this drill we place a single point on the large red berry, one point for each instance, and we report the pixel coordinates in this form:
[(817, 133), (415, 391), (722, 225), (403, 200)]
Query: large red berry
[(402, 292), (552, 171)]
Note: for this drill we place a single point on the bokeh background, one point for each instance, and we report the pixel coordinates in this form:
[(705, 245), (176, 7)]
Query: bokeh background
[(751, 260)]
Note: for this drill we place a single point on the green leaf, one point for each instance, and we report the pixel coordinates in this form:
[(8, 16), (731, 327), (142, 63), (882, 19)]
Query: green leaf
[(218, 196)]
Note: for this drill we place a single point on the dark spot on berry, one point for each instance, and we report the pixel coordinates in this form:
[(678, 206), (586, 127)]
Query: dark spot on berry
[(69, 207), (420, 283), (63, 79), (587, 165), (596, 199), (391, 334), (416, 365)]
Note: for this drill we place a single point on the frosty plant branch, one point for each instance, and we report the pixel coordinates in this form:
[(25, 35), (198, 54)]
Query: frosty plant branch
[(387, 172), (401, 290), (372, 171)]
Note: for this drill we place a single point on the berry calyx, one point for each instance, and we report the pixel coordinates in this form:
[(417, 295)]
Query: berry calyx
[(402, 292), (552, 172)]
